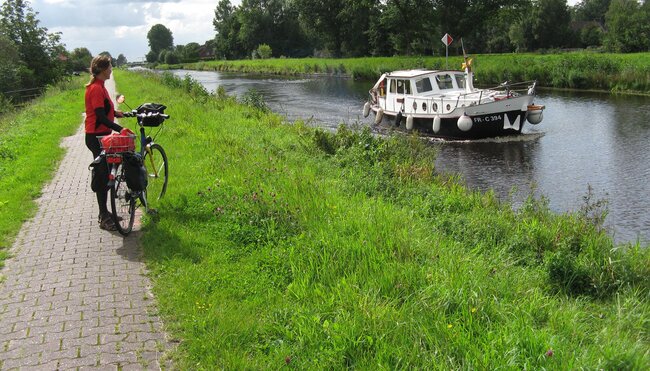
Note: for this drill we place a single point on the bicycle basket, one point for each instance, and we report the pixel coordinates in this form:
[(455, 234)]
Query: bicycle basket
[(118, 143), (152, 109)]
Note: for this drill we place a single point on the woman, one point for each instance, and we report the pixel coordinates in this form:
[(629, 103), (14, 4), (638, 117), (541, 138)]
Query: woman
[(100, 114)]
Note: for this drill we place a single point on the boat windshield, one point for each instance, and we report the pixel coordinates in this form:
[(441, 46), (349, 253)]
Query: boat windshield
[(444, 82), (460, 80), (423, 85)]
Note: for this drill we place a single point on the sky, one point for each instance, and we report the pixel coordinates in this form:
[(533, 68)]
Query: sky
[(121, 26)]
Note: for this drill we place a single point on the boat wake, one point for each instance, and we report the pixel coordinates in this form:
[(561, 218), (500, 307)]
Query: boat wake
[(523, 137)]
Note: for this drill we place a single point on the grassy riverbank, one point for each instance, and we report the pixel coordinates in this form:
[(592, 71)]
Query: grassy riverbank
[(283, 245), (30, 152), (580, 70)]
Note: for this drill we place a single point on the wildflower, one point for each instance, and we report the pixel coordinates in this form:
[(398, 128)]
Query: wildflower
[(549, 353), (473, 310), (450, 325)]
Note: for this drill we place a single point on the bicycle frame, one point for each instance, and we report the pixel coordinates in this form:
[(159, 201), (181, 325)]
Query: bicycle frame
[(145, 146)]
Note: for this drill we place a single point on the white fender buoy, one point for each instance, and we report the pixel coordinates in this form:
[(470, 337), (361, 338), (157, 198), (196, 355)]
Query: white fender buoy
[(409, 122), (379, 115), (436, 124), (535, 114), (464, 123), (535, 117), (366, 109)]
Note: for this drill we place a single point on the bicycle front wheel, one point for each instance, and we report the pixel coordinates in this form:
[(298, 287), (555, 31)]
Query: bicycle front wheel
[(122, 203), (155, 161)]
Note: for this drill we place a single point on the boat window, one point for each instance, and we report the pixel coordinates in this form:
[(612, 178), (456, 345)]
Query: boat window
[(423, 85), (444, 82), (393, 84), (460, 80), (403, 86)]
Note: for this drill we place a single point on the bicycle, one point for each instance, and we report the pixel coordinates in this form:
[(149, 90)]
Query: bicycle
[(126, 188)]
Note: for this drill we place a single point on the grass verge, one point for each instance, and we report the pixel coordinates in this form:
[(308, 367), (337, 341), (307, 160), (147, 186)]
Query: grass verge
[(30, 152), (629, 73), (285, 246)]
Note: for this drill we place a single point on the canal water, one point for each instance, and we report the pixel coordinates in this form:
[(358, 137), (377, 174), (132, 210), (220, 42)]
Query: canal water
[(586, 141)]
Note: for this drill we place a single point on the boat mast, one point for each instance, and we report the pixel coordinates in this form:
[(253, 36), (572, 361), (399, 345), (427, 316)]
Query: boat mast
[(467, 66)]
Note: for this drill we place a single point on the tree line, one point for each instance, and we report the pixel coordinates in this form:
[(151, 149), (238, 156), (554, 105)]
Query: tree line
[(356, 28), (352, 28)]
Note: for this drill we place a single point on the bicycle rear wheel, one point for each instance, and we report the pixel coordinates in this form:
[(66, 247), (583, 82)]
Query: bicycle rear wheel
[(122, 203), (155, 161)]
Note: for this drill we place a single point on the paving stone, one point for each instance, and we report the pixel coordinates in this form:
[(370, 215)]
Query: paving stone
[(68, 284)]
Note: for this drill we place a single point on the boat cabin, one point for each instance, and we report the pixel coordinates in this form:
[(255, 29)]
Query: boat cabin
[(398, 88)]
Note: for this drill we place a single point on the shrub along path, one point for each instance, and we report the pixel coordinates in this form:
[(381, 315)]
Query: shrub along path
[(75, 295)]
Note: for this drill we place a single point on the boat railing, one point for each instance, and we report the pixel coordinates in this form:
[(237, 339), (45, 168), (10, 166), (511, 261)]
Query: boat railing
[(511, 90)]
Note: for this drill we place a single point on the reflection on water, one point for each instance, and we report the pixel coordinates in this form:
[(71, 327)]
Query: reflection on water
[(586, 139), (506, 166)]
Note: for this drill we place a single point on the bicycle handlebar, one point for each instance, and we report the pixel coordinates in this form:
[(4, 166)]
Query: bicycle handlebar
[(135, 113)]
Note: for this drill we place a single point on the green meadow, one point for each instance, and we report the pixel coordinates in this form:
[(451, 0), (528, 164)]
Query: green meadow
[(624, 73), (281, 245)]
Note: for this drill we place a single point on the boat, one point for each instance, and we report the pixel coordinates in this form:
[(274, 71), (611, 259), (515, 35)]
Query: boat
[(445, 104)]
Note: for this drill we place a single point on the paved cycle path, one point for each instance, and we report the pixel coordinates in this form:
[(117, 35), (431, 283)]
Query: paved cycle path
[(75, 296)]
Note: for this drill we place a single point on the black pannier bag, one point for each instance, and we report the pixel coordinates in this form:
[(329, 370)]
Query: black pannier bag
[(99, 174), (134, 171), (151, 109)]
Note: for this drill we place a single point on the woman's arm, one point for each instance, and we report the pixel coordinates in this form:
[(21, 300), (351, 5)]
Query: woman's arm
[(103, 119)]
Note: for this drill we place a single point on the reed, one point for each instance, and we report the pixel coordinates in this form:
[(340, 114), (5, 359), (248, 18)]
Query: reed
[(283, 245)]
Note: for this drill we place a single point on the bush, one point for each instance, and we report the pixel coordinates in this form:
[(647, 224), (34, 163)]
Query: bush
[(255, 99), (264, 51)]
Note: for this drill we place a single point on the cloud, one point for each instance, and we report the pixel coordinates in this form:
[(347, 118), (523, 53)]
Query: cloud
[(121, 26)]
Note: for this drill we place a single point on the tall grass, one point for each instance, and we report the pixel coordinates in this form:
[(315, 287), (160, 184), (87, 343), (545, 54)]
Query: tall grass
[(282, 245), (578, 70), (30, 152)]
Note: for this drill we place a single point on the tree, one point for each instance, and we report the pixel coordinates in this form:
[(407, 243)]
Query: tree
[(171, 57), (151, 57), (321, 21), (397, 19), (227, 26), (358, 16), (273, 22), (80, 59), (557, 33), (160, 38), (628, 26), (10, 66), (190, 53), (591, 35), (591, 10), (37, 48), (121, 60)]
